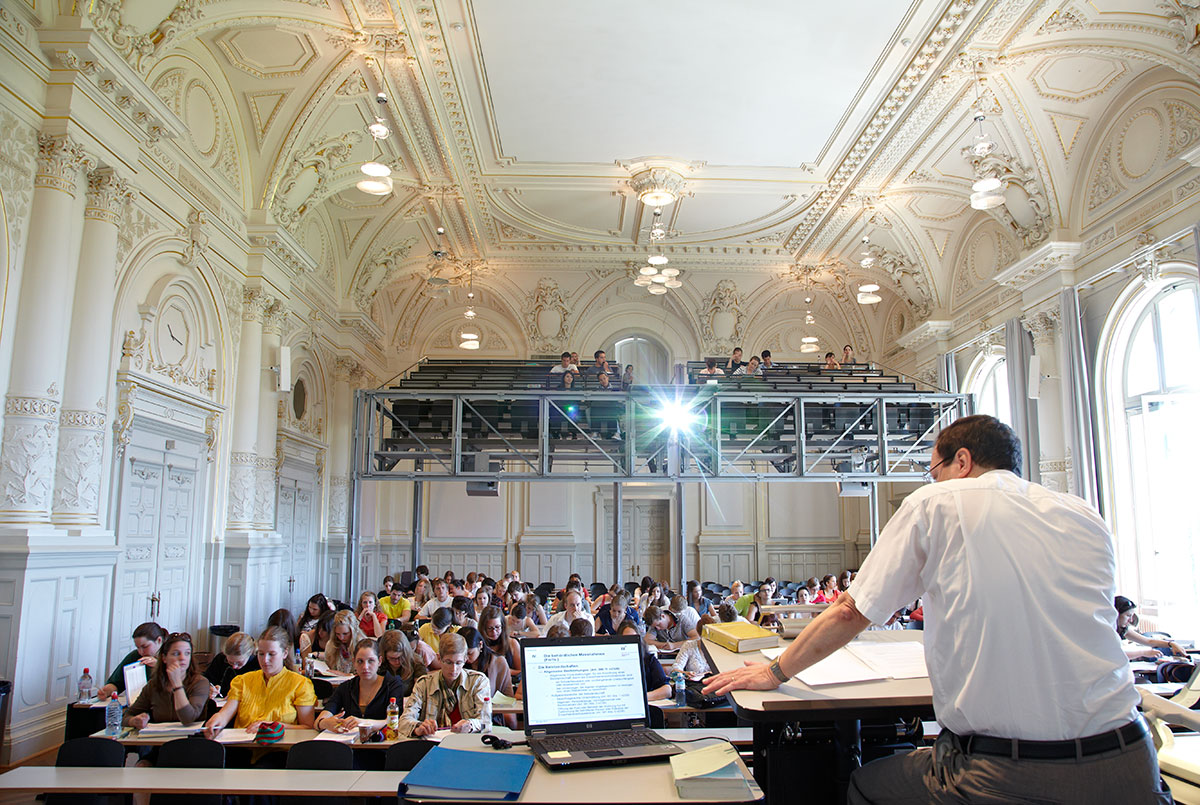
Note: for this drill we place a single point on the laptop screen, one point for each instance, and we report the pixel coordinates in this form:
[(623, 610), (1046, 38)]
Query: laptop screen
[(585, 683)]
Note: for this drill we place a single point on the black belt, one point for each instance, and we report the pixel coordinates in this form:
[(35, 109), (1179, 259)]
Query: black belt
[(1018, 749)]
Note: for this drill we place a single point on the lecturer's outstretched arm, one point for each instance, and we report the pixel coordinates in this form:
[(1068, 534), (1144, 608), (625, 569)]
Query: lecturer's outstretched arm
[(829, 631)]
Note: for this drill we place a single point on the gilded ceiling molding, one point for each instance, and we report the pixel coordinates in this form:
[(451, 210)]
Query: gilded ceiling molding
[(141, 51), (323, 156), (547, 317), (1184, 17), (380, 272), (722, 320), (1013, 173)]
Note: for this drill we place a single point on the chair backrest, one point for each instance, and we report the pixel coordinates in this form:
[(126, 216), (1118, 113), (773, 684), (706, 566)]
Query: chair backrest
[(658, 721), (191, 753), (91, 752), (324, 755), (322, 688), (630, 586), (1189, 694), (597, 589), (402, 756)]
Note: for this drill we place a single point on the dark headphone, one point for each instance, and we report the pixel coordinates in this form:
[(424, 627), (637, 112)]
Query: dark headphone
[(498, 743)]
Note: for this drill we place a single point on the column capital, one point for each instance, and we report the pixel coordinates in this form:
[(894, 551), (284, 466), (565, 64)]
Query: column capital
[(345, 368), (1042, 325), (107, 196), (255, 304), (59, 162), (273, 315)]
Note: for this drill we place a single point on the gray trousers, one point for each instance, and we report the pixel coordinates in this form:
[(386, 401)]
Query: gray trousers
[(946, 775)]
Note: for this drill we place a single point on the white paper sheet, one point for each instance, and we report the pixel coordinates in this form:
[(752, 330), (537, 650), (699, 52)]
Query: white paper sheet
[(773, 652), (897, 660), (135, 680), (170, 728), (703, 761), (840, 667)]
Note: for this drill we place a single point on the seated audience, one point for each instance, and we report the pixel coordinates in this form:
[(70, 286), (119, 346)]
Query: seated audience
[(691, 661), (176, 690), (519, 623), (813, 587), (235, 658), (752, 369), (831, 362), (564, 366), (627, 376), (420, 596), (601, 363), (695, 599), (365, 695), (565, 381), (316, 606), (803, 596), (396, 657), (558, 630), (847, 355), (455, 697), (495, 633), (736, 591), (829, 590), (534, 609), (463, 611), (735, 361), (396, 607), (372, 622), (273, 693), (561, 596), (687, 615), (442, 623), (423, 652), (284, 620), (480, 658), (441, 598), (727, 613), (658, 685), (343, 637), (617, 612), (762, 596), (767, 363), (318, 636), (711, 369), (663, 630), (603, 601), (655, 596), (573, 609), (1153, 647), (605, 383), (581, 627), (844, 581), (388, 583), (147, 640), (481, 601), (575, 360)]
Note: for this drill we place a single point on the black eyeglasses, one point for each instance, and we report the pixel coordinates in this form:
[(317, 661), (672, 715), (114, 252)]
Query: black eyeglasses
[(932, 467)]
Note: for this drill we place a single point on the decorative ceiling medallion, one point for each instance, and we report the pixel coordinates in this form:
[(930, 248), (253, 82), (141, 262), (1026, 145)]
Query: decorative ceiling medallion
[(657, 187)]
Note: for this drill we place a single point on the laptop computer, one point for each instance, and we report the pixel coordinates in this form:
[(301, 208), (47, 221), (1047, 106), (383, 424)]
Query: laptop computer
[(585, 702)]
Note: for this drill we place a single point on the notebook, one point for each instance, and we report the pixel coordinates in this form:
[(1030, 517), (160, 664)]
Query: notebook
[(441, 774), (585, 702), (135, 680)]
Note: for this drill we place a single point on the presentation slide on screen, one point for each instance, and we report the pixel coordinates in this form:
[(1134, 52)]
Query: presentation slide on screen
[(567, 684)]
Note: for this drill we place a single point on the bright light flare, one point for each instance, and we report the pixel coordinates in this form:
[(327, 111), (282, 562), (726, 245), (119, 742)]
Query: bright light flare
[(677, 417)]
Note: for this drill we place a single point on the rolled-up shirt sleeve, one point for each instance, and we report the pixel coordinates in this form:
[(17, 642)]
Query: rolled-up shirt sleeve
[(890, 577)]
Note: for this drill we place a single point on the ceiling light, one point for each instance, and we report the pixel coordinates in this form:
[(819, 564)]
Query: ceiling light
[(808, 348), (469, 345), (657, 290), (869, 287), (659, 278), (469, 335), (673, 283), (470, 313), (647, 271), (376, 169), (986, 185), (379, 129), (657, 187), (808, 319), (657, 260), (987, 200), (867, 261), (809, 339), (982, 145), (669, 272), (869, 298), (375, 186), (643, 282)]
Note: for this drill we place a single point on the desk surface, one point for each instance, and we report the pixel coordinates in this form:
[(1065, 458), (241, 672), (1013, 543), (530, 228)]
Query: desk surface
[(794, 699)]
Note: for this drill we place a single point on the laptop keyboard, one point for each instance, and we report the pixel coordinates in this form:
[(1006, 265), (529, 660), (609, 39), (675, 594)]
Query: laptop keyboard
[(599, 740)]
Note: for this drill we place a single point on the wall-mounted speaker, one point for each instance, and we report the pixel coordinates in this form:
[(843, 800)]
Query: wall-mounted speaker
[(1034, 381), (285, 369)]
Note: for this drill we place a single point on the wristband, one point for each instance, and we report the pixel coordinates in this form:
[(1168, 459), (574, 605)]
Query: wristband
[(777, 671), (177, 687)]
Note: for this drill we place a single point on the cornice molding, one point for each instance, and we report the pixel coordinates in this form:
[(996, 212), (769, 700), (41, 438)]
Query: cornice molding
[(923, 334), (281, 248), (1055, 257)]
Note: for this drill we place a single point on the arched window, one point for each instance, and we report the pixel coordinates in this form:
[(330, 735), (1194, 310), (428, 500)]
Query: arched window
[(1150, 391), (648, 357), (987, 379)]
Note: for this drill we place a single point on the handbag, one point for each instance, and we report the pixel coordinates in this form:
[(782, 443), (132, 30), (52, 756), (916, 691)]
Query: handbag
[(695, 696)]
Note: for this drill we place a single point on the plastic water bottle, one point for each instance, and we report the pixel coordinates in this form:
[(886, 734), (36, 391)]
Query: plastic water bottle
[(112, 717), (393, 714), (85, 685), (680, 688)]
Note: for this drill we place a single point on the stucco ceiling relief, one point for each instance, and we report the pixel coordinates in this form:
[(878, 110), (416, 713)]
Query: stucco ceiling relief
[(547, 317), (264, 106), (1184, 16), (1066, 130), (722, 319), (1076, 78), (1026, 211), (268, 53)]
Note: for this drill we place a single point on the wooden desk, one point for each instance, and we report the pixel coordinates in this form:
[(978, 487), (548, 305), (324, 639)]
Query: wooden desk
[(778, 765)]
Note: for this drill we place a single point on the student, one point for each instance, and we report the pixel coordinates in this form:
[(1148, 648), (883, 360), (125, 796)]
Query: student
[(751, 369), (371, 621), (463, 611), (420, 594), (581, 627), (565, 365), (844, 581), (654, 597), (767, 363), (284, 620), (847, 354), (274, 693), (767, 589), (316, 606), (147, 640), (573, 609), (495, 633), (343, 637), (603, 601), (236, 658), (533, 608), (691, 661), (735, 361), (519, 623), (617, 612), (736, 591), (441, 623), (396, 657), (318, 636), (1125, 620), (456, 697), (829, 590), (658, 686), (388, 583), (558, 630), (704, 609), (481, 601), (831, 362), (365, 695), (441, 598), (727, 613), (480, 658), (711, 369), (664, 630), (762, 596), (176, 690), (396, 607)]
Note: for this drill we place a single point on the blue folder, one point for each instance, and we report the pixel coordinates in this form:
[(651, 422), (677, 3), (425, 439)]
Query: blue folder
[(493, 775)]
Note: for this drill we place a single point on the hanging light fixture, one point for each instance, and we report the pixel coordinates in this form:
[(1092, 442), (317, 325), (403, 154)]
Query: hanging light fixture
[(655, 277), (469, 345), (867, 294), (669, 272), (657, 187), (658, 290), (643, 282), (986, 193), (647, 271), (375, 186), (866, 259), (657, 260)]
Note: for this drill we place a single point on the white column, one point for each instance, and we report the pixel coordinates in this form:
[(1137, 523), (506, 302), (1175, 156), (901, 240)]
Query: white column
[(244, 458), (341, 426), (31, 409), (1052, 461), (82, 434), (268, 418)]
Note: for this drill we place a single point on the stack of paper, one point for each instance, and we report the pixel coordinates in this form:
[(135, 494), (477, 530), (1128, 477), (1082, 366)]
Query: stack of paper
[(170, 729), (710, 773), (864, 661)]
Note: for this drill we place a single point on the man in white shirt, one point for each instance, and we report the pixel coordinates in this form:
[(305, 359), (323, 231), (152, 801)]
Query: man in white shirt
[(441, 599), (573, 609), (1034, 695), (565, 365), (753, 368)]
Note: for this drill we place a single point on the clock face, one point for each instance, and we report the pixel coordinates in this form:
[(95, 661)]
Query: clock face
[(174, 334)]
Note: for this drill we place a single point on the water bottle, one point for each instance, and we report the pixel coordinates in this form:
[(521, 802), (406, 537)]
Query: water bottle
[(393, 714), (680, 688), (112, 717), (85, 686)]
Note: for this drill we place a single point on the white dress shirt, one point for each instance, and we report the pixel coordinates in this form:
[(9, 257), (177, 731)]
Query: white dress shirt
[(1017, 584), (433, 605)]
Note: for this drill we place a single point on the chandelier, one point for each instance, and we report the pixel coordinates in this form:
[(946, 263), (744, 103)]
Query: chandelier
[(657, 187), (656, 277), (868, 291), (986, 192), (377, 176)]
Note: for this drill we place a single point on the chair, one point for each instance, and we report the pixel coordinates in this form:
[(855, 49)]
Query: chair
[(631, 586), (323, 756), (190, 753), (88, 752), (322, 688), (658, 721), (404, 755), (596, 590)]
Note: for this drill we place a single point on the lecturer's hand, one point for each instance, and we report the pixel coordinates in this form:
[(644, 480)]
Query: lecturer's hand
[(755, 676)]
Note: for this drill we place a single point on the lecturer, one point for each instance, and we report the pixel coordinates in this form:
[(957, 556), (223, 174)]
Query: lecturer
[(1031, 688)]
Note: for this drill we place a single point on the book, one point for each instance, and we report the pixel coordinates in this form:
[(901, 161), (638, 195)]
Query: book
[(493, 775), (712, 772), (740, 637), (868, 661)]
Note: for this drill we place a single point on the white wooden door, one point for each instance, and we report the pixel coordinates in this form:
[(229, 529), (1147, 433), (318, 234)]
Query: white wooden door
[(644, 528), (178, 525), (295, 523), (142, 472), (285, 526)]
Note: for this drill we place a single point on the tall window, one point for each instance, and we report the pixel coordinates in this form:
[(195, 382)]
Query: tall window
[(649, 359), (987, 379), (1152, 390)]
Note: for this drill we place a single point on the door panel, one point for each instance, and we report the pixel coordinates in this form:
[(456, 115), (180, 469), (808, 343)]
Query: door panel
[(301, 547), (175, 540), (140, 503), (285, 510)]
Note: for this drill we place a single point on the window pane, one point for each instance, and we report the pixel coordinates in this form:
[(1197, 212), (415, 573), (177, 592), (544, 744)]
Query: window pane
[(1003, 410), (1181, 345), (1141, 368)]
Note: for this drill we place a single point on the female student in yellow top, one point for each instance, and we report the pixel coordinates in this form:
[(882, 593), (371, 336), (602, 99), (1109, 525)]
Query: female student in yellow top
[(274, 693)]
